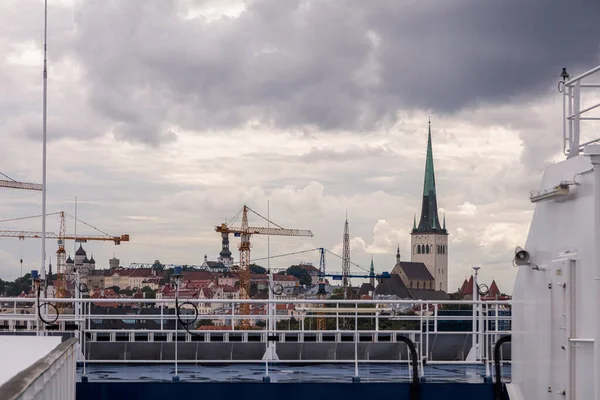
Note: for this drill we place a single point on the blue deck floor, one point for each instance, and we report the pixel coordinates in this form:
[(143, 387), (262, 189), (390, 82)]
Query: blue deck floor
[(333, 373)]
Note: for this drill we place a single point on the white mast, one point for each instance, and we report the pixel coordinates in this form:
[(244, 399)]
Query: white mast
[(45, 77)]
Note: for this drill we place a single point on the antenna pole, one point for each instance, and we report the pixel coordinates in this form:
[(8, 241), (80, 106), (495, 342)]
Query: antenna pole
[(45, 77), (75, 242)]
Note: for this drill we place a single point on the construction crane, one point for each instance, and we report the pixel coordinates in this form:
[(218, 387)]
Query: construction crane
[(346, 262), (61, 237), (12, 184), (245, 232), (321, 293), (51, 235)]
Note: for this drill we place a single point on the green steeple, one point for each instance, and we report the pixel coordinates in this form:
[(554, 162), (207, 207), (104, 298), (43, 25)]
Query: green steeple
[(372, 273), (429, 222), (429, 184)]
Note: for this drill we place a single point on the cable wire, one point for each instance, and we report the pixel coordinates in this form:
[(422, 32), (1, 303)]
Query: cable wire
[(91, 226), (22, 218), (284, 255), (183, 323), (40, 305), (6, 176)]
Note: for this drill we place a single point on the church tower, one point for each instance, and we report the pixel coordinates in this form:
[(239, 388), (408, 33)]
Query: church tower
[(429, 239)]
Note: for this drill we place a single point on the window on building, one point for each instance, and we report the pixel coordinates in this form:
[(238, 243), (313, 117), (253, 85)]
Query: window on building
[(430, 285), (414, 249), (411, 284), (427, 249), (418, 249), (440, 285)]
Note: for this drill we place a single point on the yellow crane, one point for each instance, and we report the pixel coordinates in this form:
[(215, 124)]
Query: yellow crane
[(12, 184), (61, 237), (245, 232)]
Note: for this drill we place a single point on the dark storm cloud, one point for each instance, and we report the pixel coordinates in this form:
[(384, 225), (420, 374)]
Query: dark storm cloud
[(331, 65)]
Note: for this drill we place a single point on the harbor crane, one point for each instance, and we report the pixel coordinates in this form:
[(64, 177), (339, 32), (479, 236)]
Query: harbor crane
[(245, 232)]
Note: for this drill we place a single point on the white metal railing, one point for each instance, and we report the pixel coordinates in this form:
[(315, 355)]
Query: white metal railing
[(349, 321), (50, 378), (573, 114)]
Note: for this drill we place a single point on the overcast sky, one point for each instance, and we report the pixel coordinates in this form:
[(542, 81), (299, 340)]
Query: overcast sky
[(165, 117)]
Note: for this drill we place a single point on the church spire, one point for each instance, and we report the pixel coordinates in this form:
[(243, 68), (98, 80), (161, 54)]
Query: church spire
[(398, 255), (372, 273), (429, 222)]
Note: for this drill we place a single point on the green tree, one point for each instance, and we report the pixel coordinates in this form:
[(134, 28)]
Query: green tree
[(115, 288), (158, 266), (300, 273), (204, 322), (257, 269), (148, 292)]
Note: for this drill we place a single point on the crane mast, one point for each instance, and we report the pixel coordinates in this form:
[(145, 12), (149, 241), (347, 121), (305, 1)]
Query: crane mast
[(61, 264), (245, 265), (346, 263), (245, 232)]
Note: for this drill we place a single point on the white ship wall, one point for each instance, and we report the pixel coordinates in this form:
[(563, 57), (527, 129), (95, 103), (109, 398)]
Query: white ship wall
[(555, 304)]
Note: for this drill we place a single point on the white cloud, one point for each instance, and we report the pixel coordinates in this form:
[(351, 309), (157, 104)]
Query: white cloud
[(467, 209)]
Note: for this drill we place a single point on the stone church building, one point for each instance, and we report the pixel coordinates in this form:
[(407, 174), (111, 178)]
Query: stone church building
[(428, 266)]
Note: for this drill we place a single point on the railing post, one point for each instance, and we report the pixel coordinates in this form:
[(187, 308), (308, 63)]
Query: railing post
[(233, 316), (356, 378), (427, 335)]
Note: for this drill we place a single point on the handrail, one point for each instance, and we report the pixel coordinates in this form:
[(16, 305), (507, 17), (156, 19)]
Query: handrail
[(573, 114), (498, 383), (19, 383), (581, 76), (259, 301)]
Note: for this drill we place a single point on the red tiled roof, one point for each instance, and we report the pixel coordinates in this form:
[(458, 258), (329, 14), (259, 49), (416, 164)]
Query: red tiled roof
[(494, 289), (281, 277), (285, 307), (228, 289), (467, 287), (198, 276)]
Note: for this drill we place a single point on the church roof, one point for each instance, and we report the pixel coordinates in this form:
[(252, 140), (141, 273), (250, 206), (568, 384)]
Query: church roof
[(429, 222), (70, 260), (415, 271), (80, 251), (365, 288), (92, 261), (429, 294), (393, 286), (85, 260), (225, 252)]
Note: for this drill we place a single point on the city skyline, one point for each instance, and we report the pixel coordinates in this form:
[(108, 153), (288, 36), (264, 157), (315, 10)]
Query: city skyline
[(319, 109)]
